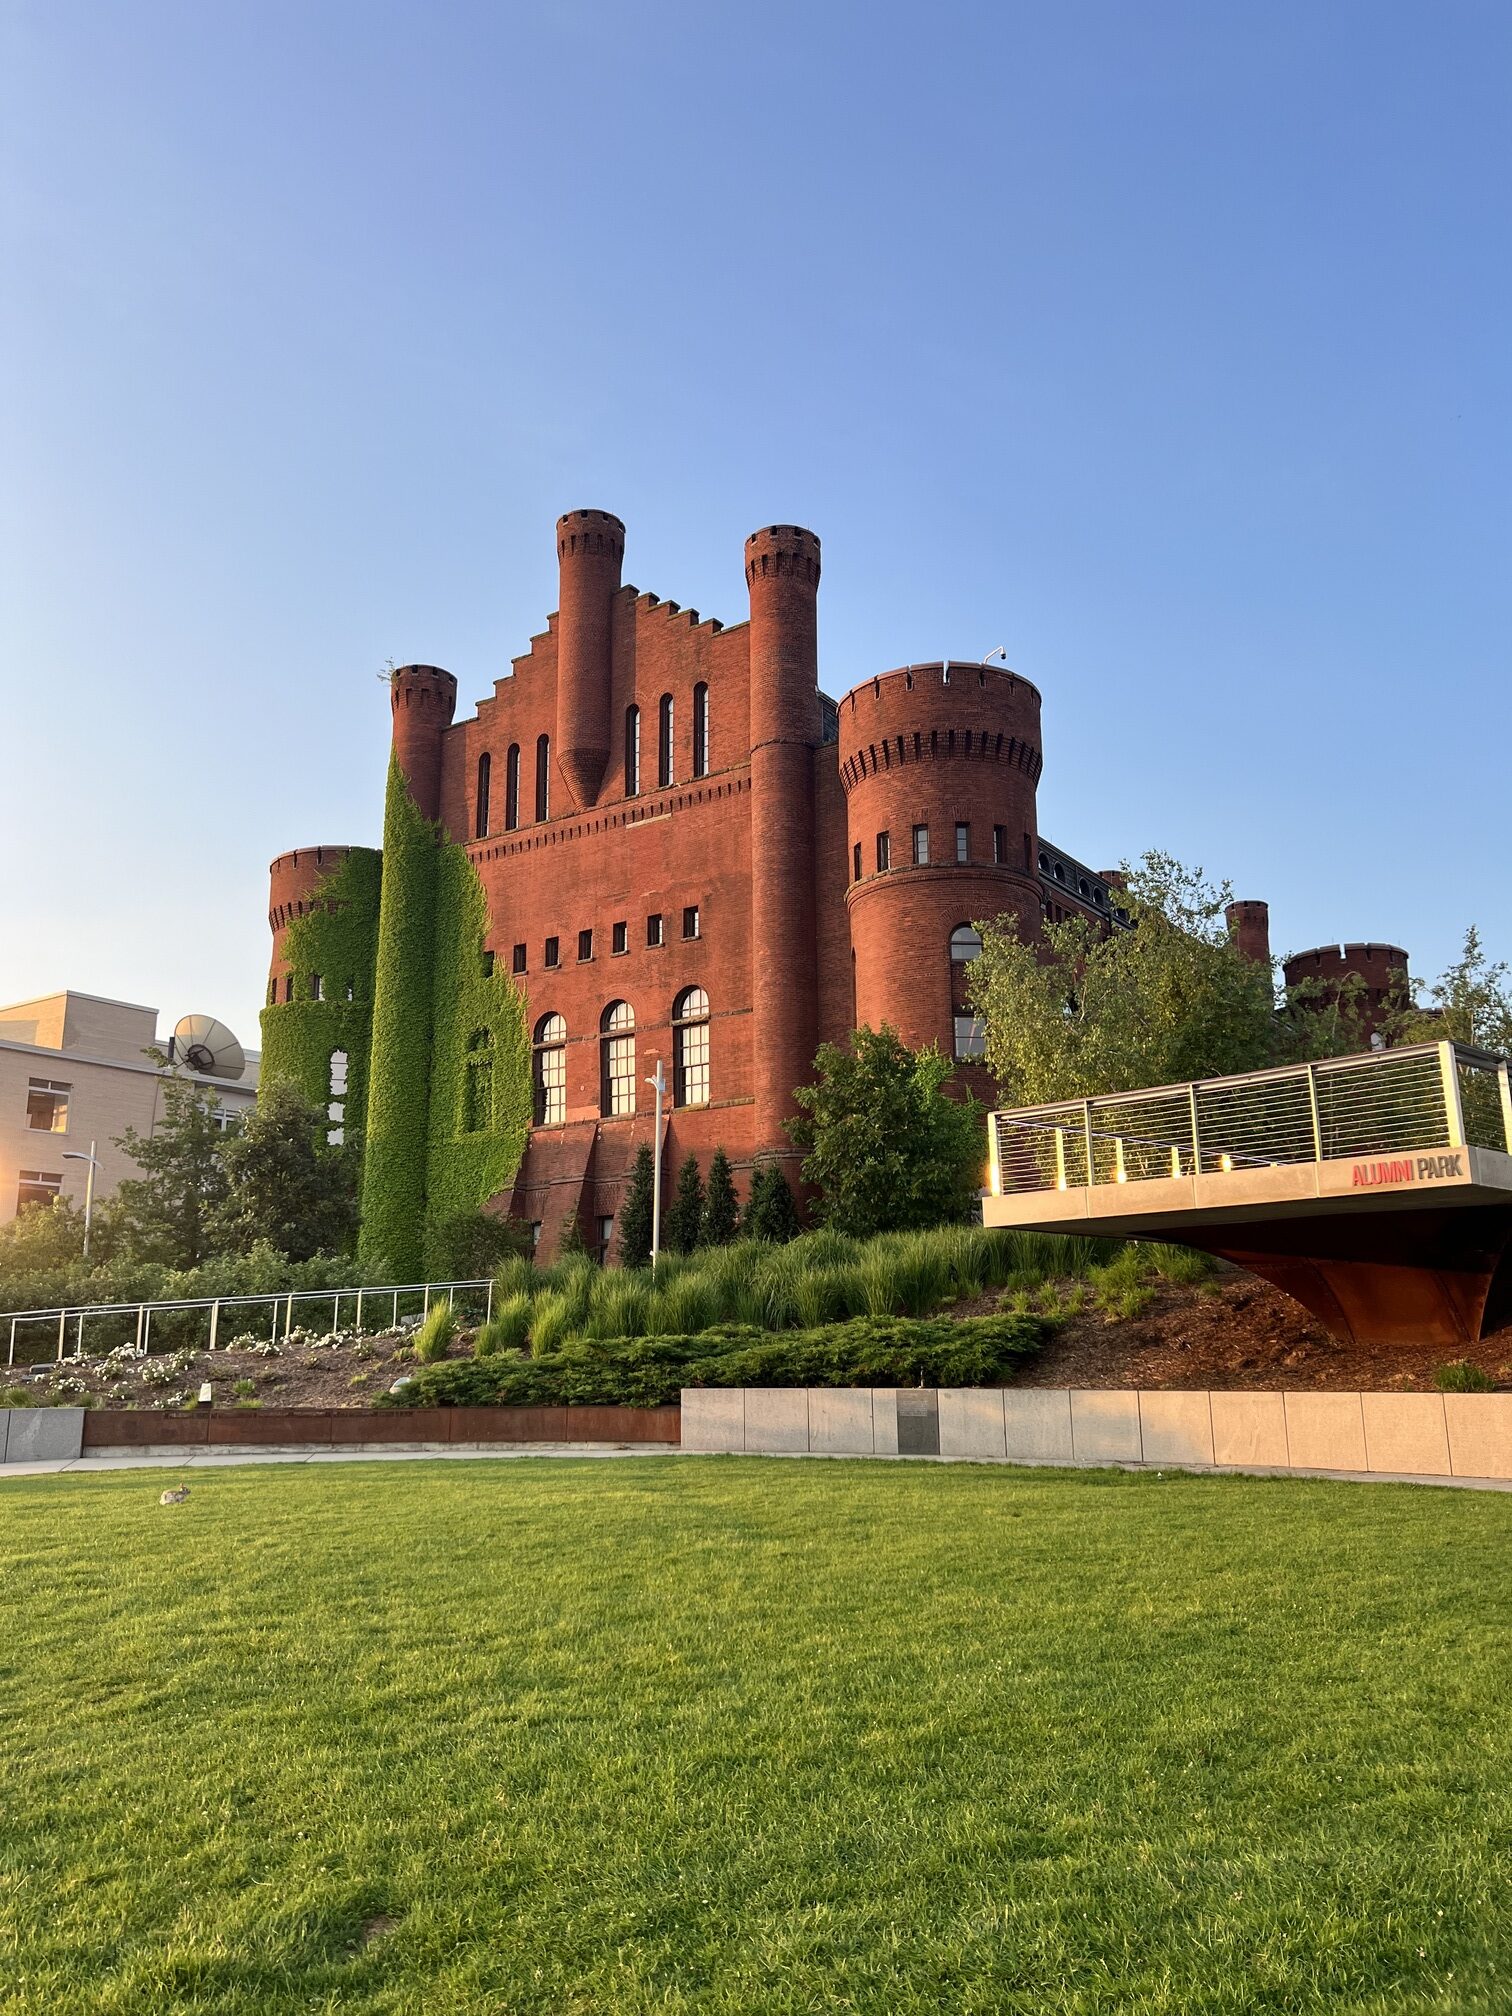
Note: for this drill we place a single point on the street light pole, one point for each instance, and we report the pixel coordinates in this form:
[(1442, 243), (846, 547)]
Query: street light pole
[(78, 1155), (660, 1084)]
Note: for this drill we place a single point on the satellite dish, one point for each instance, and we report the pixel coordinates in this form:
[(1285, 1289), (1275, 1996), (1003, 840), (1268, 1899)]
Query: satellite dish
[(207, 1046)]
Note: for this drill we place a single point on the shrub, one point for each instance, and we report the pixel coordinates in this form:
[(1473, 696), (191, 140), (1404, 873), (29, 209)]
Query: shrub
[(1460, 1376), (437, 1333), (650, 1371), (635, 1211), (550, 1322), (721, 1206), (684, 1226), (770, 1211)]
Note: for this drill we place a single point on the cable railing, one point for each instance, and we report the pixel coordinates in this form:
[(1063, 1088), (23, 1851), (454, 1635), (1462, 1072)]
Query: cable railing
[(62, 1331), (1423, 1096)]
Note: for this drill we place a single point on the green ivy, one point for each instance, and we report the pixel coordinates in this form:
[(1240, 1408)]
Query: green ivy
[(394, 1148), (338, 939), (480, 1062)]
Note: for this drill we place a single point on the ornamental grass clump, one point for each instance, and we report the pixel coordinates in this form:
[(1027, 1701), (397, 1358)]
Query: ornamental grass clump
[(437, 1333), (619, 1305), (1460, 1376), (550, 1322), (508, 1329)]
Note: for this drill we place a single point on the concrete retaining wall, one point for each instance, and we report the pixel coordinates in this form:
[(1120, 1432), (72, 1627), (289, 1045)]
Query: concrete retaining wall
[(1396, 1434), (41, 1434)]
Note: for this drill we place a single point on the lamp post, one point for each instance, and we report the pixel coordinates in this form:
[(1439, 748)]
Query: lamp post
[(78, 1155), (659, 1082)]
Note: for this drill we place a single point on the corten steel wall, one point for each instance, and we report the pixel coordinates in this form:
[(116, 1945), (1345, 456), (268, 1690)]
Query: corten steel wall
[(292, 881), (935, 745), (423, 699), (132, 1428)]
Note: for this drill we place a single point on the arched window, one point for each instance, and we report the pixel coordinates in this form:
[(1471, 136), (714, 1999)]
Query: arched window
[(477, 1084), (485, 767), (617, 1059), (690, 1048), (543, 777), (664, 741), (512, 788), (632, 752), (700, 730), (970, 1030), (336, 1110), (549, 1071)]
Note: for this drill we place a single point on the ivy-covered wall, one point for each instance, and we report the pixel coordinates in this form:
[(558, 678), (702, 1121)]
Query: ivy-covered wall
[(393, 1172), (448, 1099), (480, 1062), (338, 939)]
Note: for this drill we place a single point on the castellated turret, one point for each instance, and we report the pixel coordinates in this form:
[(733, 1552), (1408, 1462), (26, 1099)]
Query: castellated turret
[(939, 764), (1249, 926), (590, 555), (424, 699)]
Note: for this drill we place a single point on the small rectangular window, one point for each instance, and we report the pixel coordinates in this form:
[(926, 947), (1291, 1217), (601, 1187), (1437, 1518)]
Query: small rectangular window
[(315, 987), (585, 944), (488, 965), (517, 960), (535, 1234), (47, 1106), (690, 921), (920, 845), (654, 928), (553, 953), (856, 862), (884, 852), (37, 1186), (1000, 845), (289, 987), (963, 843), (1028, 855), (620, 941), (605, 1238)]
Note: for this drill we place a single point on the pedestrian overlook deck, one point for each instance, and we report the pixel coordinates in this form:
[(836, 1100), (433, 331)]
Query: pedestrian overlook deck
[(1376, 1189)]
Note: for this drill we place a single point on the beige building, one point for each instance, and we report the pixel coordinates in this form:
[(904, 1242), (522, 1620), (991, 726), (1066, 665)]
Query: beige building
[(74, 1070)]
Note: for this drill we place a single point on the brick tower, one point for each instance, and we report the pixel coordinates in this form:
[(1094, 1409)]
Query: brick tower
[(782, 575), (424, 699), (590, 554)]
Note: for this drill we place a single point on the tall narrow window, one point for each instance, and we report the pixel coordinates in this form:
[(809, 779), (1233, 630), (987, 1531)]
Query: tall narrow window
[(884, 852), (690, 1048), (970, 1031), (549, 1071), (512, 788), (700, 730), (336, 1109), (477, 1084), (632, 752), (485, 770), (617, 1060), (856, 862), (1000, 846), (920, 845), (664, 741), (963, 843), (543, 777)]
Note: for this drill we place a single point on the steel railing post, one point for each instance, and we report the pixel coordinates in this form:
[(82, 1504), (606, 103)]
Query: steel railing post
[(62, 1328), (1196, 1137), (488, 1311), (1504, 1082), (214, 1322), (1312, 1103), (12, 1357), (146, 1330), (1087, 1140), (1454, 1113), (359, 1312)]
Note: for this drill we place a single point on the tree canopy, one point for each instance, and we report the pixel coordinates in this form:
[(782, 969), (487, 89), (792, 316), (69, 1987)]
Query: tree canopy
[(884, 1146)]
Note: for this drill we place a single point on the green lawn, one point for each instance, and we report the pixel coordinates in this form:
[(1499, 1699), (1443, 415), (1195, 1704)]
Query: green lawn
[(732, 1735)]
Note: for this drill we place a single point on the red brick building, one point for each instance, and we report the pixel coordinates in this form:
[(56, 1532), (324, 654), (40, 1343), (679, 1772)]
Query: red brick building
[(691, 854)]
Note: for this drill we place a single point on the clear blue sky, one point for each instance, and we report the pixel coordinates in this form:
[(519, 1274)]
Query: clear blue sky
[(1166, 344)]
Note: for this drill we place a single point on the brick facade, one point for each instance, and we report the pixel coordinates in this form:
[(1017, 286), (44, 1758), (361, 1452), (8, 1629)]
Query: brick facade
[(670, 805)]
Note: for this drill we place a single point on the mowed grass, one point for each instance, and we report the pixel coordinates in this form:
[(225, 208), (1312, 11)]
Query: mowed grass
[(676, 1734)]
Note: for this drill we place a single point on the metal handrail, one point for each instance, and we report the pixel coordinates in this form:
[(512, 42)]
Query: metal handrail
[(1423, 1094), (280, 1300)]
